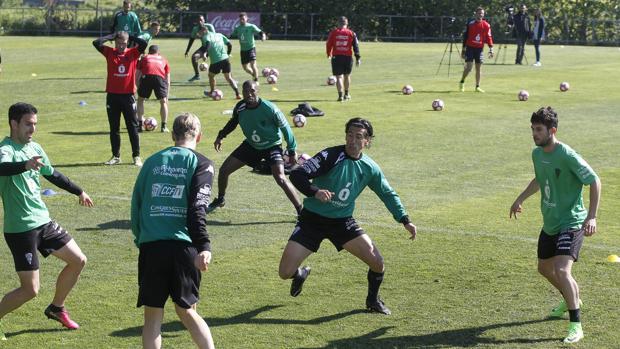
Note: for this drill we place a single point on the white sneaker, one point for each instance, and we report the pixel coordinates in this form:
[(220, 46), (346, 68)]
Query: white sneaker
[(115, 160), (537, 64), (137, 161)]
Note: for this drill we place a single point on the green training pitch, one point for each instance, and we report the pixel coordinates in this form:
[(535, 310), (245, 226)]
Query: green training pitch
[(470, 278)]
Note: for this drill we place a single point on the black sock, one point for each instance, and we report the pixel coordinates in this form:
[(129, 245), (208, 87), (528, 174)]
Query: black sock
[(55, 309), (374, 282), (297, 273), (477, 86), (574, 315), (163, 125), (463, 81), (346, 92), (339, 94)]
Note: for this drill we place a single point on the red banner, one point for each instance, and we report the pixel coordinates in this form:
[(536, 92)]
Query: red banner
[(225, 22)]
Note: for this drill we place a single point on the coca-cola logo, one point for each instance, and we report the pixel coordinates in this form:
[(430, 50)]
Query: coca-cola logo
[(225, 22)]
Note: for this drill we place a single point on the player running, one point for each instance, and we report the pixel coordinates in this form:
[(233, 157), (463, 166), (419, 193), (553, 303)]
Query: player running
[(27, 224), (477, 33), (341, 45), (332, 180), (261, 122), (245, 31), (561, 173)]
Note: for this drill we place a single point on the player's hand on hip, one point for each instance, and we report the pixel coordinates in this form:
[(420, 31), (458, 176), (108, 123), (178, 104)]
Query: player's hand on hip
[(324, 195), (412, 229), (514, 209), (217, 144), (589, 226), (85, 200), (34, 163), (202, 260)]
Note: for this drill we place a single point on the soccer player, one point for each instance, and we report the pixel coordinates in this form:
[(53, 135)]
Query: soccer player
[(168, 220), (521, 31), (245, 32), (341, 45), (261, 122), (198, 54), (27, 223), (477, 33), (126, 21), (152, 32), (154, 75), (561, 173), (120, 88), (218, 48), (332, 180)]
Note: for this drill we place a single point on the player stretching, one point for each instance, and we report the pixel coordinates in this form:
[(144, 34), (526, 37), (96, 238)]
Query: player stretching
[(561, 173), (27, 224), (332, 180), (168, 220), (154, 76), (261, 122), (245, 32), (477, 33), (341, 44)]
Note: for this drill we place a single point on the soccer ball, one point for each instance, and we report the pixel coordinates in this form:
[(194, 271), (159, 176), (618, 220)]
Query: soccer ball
[(438, 105), (523, 95), (272, 79), (216, 95), (203, 66), (150, 124), (299, 120), (275, 72), (266, 72), (331, 80), (407, 90), (564, 86)]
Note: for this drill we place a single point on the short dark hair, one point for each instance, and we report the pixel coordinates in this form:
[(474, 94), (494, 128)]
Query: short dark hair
[(155, 24), (546, 116), (479, 8), (153, 49), (361, 123), (241, 14), (18, 110)]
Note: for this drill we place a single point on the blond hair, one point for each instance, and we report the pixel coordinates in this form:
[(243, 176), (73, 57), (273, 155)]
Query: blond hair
[(186, 126)]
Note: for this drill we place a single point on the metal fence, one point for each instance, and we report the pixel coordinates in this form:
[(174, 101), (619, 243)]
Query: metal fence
[(304, 26)]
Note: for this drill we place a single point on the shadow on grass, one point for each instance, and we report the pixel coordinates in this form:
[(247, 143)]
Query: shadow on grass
[(228, 223), (33, 330), (298, 100), (184, 98), (460, 338), (82, 133), (86, 164), (80, 78), (85, 92), (125, 224), (244, 318), (422, 92)]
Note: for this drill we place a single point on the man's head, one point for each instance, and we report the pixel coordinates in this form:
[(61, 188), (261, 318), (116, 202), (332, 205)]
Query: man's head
[(359, 134), (201, 19), (155, 27), (186, 128), (153, 49), (120, 41), (479, 13), (126, 6), (23, 121), (243, 18), (250, 92), (343, 22), (523, 8), (544, 126)]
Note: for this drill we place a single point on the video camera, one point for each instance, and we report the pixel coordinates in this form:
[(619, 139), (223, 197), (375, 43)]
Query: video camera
[(510, 17)]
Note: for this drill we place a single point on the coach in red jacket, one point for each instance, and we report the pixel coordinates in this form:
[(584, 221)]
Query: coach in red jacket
[(341, 45), (477, 33)]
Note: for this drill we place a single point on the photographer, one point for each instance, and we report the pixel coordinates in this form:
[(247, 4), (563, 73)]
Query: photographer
[(521, 31)]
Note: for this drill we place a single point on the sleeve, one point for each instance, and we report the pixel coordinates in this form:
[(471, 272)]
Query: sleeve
[(228, 47), (198, 201), (189, 45), (210, 27), (387, 194), (465, 34), (99, 46), (256, 29), (63, 182), (136, 24), (141, 43), (136, 204), (580, 168), (230, 125), (356, 48), (12, 168), (541, 28), (318, 165), (329, 44), (285, 128), (489, 36)]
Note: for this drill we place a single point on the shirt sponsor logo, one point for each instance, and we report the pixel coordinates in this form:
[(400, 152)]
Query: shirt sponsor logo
[(164, 190), (167, 211), (547, 198), (168, 171), (28, 258)]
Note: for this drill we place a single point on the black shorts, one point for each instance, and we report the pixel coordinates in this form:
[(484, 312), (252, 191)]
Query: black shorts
[(252, 156), (474, 54), (220, 67), (248, 56), (47, 238), (150, 83), (166, 268), (565, 243), (342, 65), (312, 228)]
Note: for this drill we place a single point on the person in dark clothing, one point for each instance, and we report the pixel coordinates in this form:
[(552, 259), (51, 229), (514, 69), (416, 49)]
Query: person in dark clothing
[(538, 34), (521, 31)]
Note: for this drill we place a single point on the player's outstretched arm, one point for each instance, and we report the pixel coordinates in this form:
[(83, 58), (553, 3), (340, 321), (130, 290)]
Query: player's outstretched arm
[(85, 200), (589, 224), (530, 190)]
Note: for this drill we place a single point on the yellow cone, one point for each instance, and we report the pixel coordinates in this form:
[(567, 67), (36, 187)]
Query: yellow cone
[(274, 89), (613, 258)]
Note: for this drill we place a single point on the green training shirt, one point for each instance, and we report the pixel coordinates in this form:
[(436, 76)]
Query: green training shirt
[(217, 46), (24, 209), (146, 36), (127, 23), (561, 175), (245, 33), (197, 27)]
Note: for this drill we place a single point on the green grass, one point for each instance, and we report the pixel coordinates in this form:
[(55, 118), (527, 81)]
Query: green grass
[(470, 278)]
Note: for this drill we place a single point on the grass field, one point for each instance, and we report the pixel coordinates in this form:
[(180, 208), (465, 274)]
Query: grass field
[(470, 278)]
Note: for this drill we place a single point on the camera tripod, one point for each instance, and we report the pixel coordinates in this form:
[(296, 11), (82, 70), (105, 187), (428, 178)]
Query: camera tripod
[(499, 52), (449, 46)]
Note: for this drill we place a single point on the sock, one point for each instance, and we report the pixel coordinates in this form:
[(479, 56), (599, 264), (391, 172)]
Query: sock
[(54, 308), (297, 273), (163, 125), (477, 86), (574, 315), (339, 94), (374, 282), (255, 79), (346, 92), (463, 81)]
